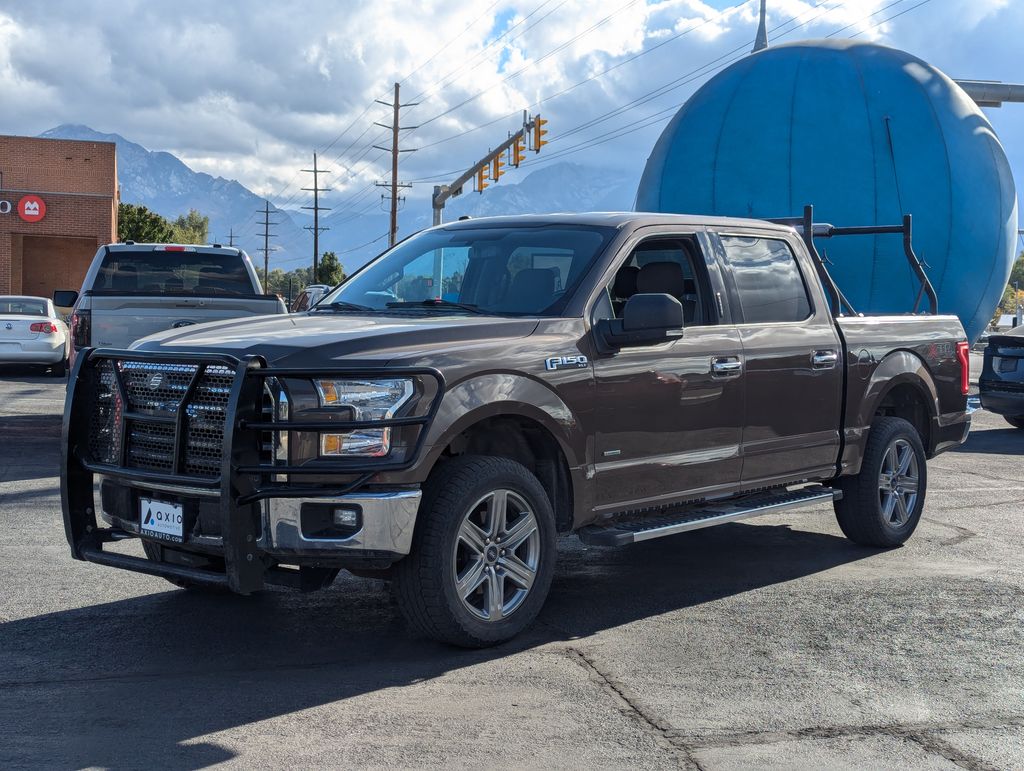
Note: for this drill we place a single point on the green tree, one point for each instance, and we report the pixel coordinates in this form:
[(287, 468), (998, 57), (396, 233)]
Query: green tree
[(330, 271), (191, 228), (139, 224), (289, 284)]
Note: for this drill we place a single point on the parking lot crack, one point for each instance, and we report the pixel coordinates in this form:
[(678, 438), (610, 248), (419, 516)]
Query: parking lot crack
[(962, 533), (928, 736), (662, 734)]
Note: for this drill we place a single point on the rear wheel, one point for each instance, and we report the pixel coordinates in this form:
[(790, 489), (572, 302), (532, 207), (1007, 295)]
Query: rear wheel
[(1017, 421), (483, 553), (882, 505), (60, 369)]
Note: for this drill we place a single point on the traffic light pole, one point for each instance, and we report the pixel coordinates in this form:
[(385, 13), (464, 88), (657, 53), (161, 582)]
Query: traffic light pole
[(443, 192)]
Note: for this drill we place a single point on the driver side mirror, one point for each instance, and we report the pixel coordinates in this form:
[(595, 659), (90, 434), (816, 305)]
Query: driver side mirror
[(647, 319)]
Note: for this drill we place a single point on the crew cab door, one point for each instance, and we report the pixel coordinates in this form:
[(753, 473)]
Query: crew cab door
[(792, 356), (667, 421)]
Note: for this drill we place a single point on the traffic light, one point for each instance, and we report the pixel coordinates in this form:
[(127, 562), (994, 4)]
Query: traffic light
[(539, 132), (518, 151), (497, 167), (481, 176)]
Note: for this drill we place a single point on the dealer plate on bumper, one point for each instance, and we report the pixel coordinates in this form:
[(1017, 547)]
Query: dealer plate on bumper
[(161, 519)]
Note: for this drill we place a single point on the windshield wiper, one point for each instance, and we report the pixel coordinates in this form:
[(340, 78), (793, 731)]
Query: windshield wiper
[(437, 302), (341, 305)]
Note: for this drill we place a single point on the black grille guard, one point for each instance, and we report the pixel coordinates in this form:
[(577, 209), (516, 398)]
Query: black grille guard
[(243, 479)]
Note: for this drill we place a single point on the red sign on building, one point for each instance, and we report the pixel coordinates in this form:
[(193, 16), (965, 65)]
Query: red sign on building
[(31, 208)]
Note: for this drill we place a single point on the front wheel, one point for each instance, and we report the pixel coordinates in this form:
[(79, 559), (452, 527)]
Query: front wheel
[(482, 556), (882, 505), (1017, 421)]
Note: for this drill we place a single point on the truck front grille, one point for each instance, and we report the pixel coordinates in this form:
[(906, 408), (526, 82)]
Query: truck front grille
[(157, 395)]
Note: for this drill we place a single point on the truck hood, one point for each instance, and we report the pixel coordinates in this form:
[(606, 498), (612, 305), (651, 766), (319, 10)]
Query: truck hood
[(302, 340)]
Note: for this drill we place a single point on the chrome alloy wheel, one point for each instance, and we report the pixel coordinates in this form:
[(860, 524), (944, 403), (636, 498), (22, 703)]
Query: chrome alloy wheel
[(497, 554), (898, 483)]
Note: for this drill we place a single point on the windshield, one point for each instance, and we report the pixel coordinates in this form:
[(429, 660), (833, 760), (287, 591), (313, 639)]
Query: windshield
[(22, 306), (530, 271), (178, 273)]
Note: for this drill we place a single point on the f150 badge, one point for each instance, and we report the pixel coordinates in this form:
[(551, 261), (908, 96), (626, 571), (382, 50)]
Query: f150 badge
[(560, 362)]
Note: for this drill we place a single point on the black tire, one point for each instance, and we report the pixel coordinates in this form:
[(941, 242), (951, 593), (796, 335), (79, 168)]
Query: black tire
[(60, 369), (425, 581), (1017, 421), (155, 553), (861, 512)]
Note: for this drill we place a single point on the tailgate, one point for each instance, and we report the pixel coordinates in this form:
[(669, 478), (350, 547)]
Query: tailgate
[(117, 322), (1004, 359)]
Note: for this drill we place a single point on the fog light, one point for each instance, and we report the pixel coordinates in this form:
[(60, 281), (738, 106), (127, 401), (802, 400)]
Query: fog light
[(346, 517)]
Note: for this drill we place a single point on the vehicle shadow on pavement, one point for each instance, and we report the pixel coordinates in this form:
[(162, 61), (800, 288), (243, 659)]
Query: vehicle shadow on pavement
[(994, 441), (36, 375), (137, 681)]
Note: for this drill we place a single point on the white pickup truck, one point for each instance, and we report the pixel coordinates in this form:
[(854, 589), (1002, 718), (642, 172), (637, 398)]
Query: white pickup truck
[(134, 290)]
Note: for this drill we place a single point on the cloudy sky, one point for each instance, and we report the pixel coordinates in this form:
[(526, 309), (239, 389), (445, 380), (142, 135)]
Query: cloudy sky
[(248, 90)]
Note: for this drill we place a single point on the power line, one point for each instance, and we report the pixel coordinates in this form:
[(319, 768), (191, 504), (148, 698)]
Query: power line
[(895, 15), (654, 118), (532, 63), (593, 77), (449, 43), (480, 55)]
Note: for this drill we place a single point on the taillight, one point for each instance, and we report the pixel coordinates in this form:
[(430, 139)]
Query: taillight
[(45, 327), (81, 328), (963, 355)]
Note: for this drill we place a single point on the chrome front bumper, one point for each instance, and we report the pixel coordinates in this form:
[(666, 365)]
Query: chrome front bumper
[(388, 520)]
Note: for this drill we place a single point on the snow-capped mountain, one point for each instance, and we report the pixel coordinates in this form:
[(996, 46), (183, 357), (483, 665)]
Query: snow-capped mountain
[(163, 183)]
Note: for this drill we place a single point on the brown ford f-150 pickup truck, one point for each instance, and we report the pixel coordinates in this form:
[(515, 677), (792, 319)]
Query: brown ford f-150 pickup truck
[(444, 415)]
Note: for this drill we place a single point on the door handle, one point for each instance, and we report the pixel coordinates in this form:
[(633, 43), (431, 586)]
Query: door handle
[(726, 366), (824, 359)]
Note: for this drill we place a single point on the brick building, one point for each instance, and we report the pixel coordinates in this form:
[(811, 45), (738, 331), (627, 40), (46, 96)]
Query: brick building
[(58, 203)]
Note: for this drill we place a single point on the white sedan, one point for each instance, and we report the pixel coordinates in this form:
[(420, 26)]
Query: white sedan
[(32, 332)]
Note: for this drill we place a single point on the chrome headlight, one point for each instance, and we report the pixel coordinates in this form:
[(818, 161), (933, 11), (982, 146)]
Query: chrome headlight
[(368, 400)]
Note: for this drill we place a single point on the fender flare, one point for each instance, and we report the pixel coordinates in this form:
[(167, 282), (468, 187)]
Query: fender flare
[(503, 394), (896, 369)]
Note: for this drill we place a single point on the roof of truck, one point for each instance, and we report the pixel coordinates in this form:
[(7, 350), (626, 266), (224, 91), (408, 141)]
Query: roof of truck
[(133, 246), (617, 220)]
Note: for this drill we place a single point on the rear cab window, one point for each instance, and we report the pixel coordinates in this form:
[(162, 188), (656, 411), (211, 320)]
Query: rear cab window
[(173, 273), (768, 281)]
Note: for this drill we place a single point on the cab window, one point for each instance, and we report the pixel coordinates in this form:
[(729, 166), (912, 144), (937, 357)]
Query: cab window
[(661, 265), (768, 280)]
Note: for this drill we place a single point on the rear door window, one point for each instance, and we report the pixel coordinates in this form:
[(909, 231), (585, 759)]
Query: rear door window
[(768, 280), (173, 273)]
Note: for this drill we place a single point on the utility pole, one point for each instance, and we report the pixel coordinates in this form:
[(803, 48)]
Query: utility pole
[(317, 208), (266, 223), (231, 237), (394, 185)]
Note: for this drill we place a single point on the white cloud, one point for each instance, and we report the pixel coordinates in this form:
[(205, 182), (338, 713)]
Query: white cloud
[(249, 90)]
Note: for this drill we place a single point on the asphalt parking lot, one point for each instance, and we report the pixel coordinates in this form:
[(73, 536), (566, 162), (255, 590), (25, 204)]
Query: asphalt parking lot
[(770, 643)]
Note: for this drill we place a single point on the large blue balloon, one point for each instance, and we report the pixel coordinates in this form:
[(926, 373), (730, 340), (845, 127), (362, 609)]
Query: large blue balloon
[(865, 133)]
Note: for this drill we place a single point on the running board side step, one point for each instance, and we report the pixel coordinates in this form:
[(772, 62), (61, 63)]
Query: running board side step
[(703, 515)]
